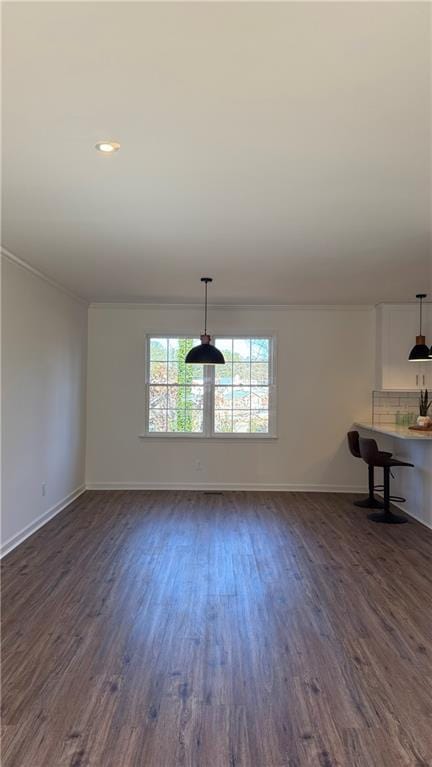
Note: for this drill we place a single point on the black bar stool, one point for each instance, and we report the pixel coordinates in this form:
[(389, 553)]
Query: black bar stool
[(370, 502), (374, 457)]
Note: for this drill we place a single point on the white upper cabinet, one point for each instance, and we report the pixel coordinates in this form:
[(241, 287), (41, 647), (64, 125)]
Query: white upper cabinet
[(397, 327)]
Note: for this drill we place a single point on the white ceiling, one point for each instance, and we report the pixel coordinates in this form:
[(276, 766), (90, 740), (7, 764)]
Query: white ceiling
[(283, 148)]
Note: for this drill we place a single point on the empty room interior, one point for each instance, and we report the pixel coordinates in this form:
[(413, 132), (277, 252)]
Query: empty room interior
[(216, 287)]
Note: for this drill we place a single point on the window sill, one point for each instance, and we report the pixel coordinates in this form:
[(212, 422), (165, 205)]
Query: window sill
[(212, 438)]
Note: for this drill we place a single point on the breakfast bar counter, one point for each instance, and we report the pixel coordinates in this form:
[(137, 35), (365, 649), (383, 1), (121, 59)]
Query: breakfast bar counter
[(415, 447)]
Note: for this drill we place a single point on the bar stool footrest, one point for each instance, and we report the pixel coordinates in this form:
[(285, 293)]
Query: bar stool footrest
[(397, 498)]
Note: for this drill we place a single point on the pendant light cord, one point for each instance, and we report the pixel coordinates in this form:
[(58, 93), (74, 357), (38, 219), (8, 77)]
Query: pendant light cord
[(205, 311), (421, 308)]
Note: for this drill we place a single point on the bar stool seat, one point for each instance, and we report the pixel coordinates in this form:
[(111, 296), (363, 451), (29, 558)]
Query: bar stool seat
[(374, 457)]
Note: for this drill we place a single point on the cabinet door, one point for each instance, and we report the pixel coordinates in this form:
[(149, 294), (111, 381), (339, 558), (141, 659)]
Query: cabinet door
[(423, 370), (428, 332), (403, 328), (397, 328)]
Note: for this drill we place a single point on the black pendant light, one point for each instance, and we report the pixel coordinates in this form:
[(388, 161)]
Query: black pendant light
[(205, 353), (420, 352)]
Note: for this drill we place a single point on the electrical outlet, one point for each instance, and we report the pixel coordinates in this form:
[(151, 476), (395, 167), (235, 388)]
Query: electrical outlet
[(43, 488)]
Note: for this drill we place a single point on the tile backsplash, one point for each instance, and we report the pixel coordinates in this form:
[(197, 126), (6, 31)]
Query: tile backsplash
[(396, 408)]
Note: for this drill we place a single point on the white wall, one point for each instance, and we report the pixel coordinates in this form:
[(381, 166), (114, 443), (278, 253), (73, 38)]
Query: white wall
[(325, 377), (44, 339)]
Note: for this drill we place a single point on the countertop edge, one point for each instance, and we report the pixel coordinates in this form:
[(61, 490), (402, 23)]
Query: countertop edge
[(401, 432)]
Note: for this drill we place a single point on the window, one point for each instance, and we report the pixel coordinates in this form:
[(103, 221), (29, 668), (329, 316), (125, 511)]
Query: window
[(175, 390), (235, 399)]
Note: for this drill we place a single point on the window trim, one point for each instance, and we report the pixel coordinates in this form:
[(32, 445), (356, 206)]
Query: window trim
[(208, 432)]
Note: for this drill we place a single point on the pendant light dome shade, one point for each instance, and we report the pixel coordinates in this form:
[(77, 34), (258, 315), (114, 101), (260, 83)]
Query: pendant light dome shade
[(420, 352), (205, 353)]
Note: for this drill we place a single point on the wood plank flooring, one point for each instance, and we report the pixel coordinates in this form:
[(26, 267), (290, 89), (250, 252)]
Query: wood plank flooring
[(162, 629)]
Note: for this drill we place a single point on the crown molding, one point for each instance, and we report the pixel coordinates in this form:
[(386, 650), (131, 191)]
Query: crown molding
[(226, 307), (6, 254), (401, 304)]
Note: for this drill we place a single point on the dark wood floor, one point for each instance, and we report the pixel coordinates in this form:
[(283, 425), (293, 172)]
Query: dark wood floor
[(159, 629)]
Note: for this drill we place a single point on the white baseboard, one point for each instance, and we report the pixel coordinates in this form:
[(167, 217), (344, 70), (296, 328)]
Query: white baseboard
[(18, 538), (220, 486)]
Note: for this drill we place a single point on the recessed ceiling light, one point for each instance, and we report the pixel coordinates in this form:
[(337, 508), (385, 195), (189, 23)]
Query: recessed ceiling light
[(107, 147)]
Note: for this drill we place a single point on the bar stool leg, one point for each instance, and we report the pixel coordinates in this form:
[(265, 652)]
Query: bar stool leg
[(370, 502), (387, 516)]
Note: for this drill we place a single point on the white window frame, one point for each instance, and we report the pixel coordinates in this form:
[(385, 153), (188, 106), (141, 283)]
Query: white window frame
[(209, 392)]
